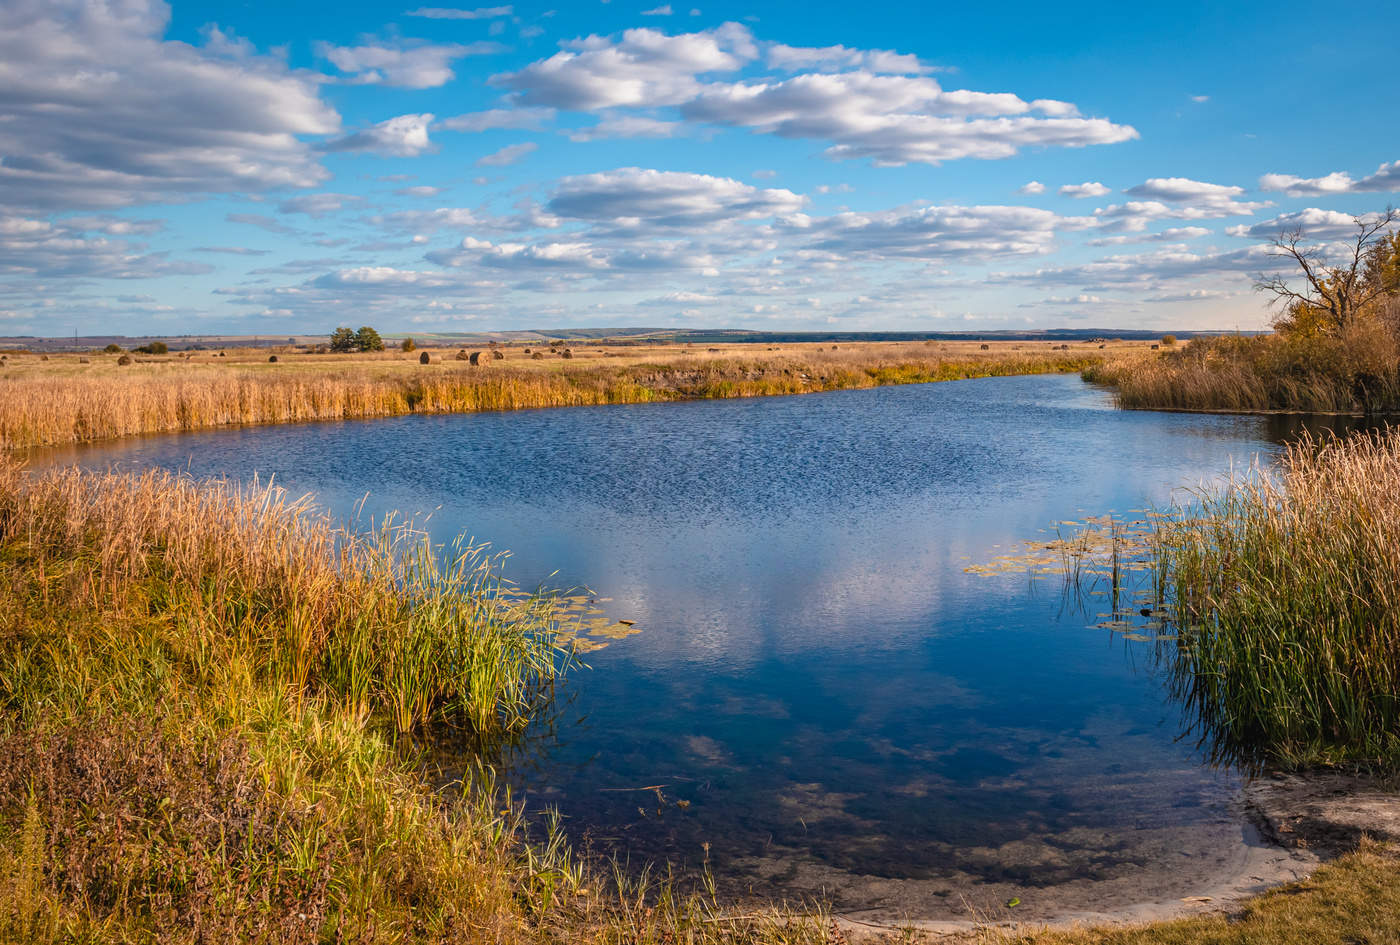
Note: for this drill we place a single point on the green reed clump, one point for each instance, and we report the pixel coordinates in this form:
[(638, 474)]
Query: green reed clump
[(1285, 589)]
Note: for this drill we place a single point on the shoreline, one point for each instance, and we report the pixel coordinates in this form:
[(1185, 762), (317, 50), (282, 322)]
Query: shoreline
[(1290, 825)]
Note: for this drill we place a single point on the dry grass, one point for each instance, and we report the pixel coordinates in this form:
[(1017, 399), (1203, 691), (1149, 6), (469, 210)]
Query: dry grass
[(61, 401), (210, 711), (1359, 373)]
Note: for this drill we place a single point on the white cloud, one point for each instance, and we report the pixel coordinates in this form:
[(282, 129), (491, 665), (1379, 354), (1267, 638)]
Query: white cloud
[(644, 67), (627, 126), (885, 110), (943, 232), (64, 249), (1314, 223), (663, 10), (100, 111), (796, 58), (1031, 188), (633, 196), (1386, 178), (520, 119), (451, 13), (1194, 193), (316, 205), (899, 119), (1086, 189), (405, 64), (510, 154), (403, 136)]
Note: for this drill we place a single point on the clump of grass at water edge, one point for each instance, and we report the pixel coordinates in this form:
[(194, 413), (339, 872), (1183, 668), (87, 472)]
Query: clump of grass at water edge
[(213, 707)]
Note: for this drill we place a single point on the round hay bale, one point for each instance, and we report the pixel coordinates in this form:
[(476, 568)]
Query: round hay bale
[(272, 359), (986, 347), (566, 353), (124, 360), (84, 361), (475, 358), (498, 355), (423, 358), (537, 356), (461, 355)]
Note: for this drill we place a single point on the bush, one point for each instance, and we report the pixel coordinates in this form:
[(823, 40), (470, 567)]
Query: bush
[(1169, 340), (407, 345), (154, 347), (112, 348)]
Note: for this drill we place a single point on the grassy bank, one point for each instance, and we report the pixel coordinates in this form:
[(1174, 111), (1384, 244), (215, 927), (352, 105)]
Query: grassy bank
[(1284, 589), (61, 401), (1359, 373), (209, 706)]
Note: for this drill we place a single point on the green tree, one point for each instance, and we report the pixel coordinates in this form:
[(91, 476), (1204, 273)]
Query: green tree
[(408, 344), (154, 347), (367, 339), (112, 348), (343, 339)]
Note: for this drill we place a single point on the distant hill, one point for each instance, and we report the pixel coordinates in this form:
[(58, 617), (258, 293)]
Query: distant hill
[(614, 335)]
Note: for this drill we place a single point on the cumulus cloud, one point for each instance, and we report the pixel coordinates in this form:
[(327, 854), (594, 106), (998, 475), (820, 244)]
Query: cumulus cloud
[(943, 232), (1031, 188), (103, 112), (1386, 178), (1086, 189), (510, 154), (632, 196), (895, 120), (403, 136), (404, 64), (880, 106), (663, 10), (644, 67), (1315, 224), (67, 248), (1194, 193), (519, 119)]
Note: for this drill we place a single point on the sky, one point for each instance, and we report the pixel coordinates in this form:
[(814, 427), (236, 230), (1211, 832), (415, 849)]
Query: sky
[(263, 169)]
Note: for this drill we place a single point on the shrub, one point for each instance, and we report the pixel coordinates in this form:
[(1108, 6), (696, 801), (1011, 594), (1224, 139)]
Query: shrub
[(112, 348), (407, 345), (154, 347), (1169, 340)]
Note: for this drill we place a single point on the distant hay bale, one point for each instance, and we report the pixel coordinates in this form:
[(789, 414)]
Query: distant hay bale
[(84, 361), (272, 359), (461, 355), (43, 357), (498, 355), (221, 354), (566, 353), (124, 360), (712, 350), (1155, 347), (527, 350), (475, 358), (424, 359), (986, 347), (537, 356)]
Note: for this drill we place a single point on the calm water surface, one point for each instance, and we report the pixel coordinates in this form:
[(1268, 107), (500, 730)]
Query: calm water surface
[(839, 704)]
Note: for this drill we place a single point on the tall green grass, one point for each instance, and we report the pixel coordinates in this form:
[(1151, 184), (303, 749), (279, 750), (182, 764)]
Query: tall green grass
[(1284, 587)]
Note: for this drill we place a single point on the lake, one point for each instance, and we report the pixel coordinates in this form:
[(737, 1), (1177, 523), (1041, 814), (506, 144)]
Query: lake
[(822, 701)]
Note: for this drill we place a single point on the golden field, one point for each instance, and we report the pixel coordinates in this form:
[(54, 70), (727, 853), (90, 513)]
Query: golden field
[(57, 399)]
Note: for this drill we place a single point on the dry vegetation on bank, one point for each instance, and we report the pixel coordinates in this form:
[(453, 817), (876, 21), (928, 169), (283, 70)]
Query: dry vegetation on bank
[(61, 400), (210, 707)]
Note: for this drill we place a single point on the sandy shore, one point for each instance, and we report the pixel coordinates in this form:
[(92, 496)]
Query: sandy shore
[(1285, 826)]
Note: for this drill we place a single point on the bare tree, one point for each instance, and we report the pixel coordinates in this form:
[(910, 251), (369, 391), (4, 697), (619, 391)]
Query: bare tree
[(1337, 293)]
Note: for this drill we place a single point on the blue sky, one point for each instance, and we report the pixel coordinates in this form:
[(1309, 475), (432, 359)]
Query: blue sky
[(284, 168)]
